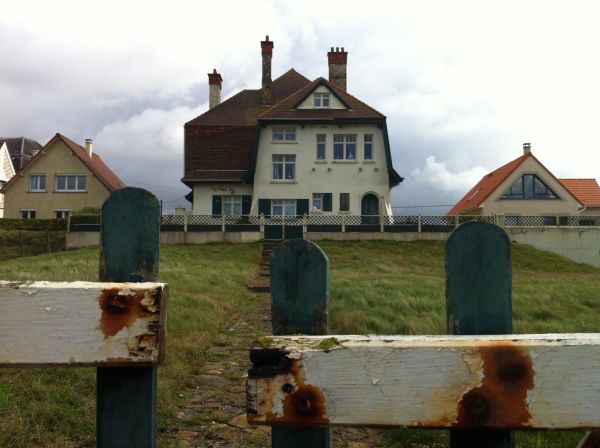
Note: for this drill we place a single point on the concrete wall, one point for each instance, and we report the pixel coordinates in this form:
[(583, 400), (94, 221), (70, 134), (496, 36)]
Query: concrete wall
[(357, 177), (77, 240), (209, 237), (58, 159), (368, 236), (580, 244)]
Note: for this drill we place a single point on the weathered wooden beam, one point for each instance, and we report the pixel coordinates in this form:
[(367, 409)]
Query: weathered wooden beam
[(547, 381), (81, 323)]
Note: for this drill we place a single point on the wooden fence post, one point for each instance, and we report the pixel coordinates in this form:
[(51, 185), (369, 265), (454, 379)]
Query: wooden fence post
[(300, 284), (126, 396), (479, 301)]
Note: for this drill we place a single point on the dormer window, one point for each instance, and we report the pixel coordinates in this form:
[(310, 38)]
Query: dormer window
[(322, 101), (529, 186)]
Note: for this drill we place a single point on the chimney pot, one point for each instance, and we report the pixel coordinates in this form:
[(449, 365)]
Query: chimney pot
[(89, 143), (526, 148), (338, 61)]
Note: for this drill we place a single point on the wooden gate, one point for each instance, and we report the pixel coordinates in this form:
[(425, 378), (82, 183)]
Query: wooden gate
[(479, 387)]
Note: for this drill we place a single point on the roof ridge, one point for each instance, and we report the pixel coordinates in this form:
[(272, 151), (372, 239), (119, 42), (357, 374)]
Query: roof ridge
[(344, 92), (221, 104), (307, 86)]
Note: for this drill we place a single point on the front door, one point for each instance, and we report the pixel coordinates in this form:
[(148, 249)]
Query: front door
[(370, 206)]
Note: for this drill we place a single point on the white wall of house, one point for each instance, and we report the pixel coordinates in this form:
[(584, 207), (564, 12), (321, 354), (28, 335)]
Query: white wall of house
[(566, 205), (308, 103), (6, 172), (356, 177), (203, 194)]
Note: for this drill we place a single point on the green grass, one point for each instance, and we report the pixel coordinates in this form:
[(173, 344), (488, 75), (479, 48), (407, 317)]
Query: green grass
[(377, 287), (34, 242)]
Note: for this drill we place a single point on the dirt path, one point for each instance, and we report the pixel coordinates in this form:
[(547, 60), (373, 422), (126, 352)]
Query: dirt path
[(215, 413)]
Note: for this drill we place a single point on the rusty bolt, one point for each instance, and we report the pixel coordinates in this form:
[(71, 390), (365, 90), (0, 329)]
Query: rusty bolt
[(287, 388)]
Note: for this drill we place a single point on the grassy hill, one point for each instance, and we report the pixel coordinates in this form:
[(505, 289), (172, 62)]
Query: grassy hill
[(377, 287)]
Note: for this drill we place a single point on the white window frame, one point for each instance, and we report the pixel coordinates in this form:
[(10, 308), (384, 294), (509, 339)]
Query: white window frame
[(317, 202), (284, 204), (63, 211), (38, 177), (368, 140), (284, 160), (231, 200), (322, 143), (67, 189), (28, 212), (319, 100), (284, 135), (344, 139)]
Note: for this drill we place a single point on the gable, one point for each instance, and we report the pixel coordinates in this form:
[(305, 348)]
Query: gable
[(531, 165), (309, 101)]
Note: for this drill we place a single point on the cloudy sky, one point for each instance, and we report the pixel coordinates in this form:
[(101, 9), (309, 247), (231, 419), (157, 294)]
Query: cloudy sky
[(463, 83)]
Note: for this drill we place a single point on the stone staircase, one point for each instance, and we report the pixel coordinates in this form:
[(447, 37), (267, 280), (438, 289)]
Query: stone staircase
[(262, 281)]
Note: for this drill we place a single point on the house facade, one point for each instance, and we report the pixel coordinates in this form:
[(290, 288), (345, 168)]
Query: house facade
[(61, 178), (523, 187), (293, 147), (7, 171)]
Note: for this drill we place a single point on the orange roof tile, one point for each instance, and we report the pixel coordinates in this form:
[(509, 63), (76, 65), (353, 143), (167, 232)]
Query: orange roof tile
[(587, 191), (486, 186)]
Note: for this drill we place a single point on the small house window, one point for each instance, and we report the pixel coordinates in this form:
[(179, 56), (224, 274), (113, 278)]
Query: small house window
[(70, 182), (62, 213), (344, 147), (368, 147), (321, 101), (37, 182), (27, 213), (284, 135), (317, 202), (321, 154), (283, 207), (232, 205), (284, 167), (344, 202)]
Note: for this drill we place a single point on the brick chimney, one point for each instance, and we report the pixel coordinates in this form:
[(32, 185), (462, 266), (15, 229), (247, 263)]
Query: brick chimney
[(214, 89), (89, 147), (526, 148), (338, 60), (266, 94)]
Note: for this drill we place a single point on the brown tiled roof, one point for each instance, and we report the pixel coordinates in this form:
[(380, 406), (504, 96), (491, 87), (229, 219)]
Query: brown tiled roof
[(95, 164), (286, 109), (214, 175), (243, 108), (490, 182), (587, 191)]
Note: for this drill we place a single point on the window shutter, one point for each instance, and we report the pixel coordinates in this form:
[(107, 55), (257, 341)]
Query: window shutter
[(246, 204), (217, 205), (327, 207), (302, 207), (264, 207)]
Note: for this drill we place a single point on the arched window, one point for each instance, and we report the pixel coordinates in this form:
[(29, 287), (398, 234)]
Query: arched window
[(529, 186)]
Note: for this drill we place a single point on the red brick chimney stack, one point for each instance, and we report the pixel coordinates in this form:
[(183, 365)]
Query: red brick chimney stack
[(214, 87), (338, 60), (267, 53)]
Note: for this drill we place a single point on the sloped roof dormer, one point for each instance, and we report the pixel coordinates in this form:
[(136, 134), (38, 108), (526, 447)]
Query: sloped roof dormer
[(322, 97)]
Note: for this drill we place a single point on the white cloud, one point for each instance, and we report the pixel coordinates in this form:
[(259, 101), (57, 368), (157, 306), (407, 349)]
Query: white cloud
[(436, 175)]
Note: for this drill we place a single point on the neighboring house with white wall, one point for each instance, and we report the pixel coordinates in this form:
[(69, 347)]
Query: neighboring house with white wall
[(6, 172), (292, 147), (522, 187)]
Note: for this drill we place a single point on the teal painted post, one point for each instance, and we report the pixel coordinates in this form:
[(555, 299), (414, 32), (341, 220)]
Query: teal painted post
[(479, 301), (126, 396), (300, 284)]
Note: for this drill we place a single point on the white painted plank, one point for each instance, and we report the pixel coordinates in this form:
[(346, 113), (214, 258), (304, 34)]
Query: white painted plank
[(513, 381), (81, 323)]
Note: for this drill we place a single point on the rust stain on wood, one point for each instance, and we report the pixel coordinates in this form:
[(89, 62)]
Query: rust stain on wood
[(120, 309), (501, 400)]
